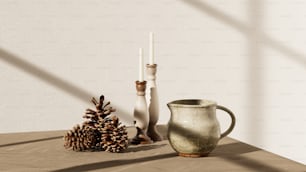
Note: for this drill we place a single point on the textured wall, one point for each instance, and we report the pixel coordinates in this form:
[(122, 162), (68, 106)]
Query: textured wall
[(247, 55)]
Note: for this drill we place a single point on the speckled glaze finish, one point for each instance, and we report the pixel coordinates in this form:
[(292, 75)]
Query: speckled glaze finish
[(193, 129)]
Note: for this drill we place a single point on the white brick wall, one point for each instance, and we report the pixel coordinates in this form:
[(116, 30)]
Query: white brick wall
[(246, 55)]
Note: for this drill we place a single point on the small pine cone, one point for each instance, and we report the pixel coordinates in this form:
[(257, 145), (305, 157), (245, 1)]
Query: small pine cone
[(102, 110), (78, 138), (114, 136), (91, 136)]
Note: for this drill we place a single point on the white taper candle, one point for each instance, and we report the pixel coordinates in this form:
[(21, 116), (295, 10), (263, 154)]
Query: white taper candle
[(151, 49), (141, 69)]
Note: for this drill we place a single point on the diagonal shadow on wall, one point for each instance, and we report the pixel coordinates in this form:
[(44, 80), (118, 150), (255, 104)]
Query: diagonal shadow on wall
[(256, 39), (42, 74), (248, 30), (255, 62), (55, 81)]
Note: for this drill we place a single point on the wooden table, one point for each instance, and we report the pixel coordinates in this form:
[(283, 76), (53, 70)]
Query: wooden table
[(44, 151)]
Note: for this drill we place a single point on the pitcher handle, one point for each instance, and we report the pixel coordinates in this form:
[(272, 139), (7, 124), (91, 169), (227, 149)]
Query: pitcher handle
[(231, 127)]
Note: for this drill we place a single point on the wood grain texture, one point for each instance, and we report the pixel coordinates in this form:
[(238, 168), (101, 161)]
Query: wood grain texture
[(44, 151)]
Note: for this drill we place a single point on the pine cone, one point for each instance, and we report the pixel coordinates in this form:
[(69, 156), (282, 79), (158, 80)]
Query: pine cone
[(79, 138), (100, 131), (114, 135), (101, 110)]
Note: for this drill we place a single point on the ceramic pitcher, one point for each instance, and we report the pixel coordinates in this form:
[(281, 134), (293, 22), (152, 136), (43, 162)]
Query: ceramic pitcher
[(193, 129)]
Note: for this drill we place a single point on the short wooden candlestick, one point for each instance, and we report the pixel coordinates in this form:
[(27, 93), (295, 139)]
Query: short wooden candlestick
[(141, 115)]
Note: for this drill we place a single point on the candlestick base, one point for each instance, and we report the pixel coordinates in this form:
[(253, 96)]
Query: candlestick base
[(141, 138), (153, 133)]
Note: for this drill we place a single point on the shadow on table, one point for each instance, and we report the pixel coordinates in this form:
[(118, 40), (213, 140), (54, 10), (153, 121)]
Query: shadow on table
[(143, 147), (253, 164), (114, 163), (30, 141), (231, 149), (233, 153)]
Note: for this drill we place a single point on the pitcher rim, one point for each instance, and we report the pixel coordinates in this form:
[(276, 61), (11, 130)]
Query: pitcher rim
[(203, 103)]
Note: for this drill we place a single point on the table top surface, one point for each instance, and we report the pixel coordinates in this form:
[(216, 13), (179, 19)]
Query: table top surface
[(44, 151)]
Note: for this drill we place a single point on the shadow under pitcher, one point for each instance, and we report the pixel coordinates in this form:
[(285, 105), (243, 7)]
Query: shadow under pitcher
[(193, 129)]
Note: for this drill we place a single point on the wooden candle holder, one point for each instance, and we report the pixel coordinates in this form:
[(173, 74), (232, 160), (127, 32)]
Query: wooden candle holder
[(141, 115), (154, 104)]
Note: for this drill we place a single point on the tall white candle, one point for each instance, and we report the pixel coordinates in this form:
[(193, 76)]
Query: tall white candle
[(151, 49), (140, 65)]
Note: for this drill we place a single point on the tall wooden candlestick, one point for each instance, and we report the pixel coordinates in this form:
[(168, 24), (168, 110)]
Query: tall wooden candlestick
[(153, 105), (141, 115)]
